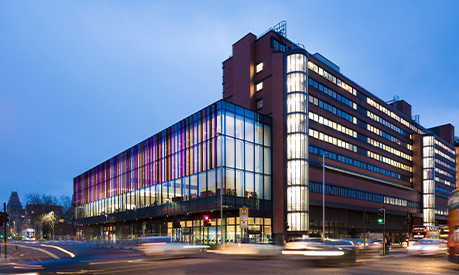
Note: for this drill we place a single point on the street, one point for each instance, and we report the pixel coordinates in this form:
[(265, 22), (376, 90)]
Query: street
[(46, 258)]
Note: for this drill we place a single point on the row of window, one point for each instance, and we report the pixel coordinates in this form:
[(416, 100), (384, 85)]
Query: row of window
[(443, 190), (332, 140), (445, 182), (445, 164), (389, 161), (336, 126), (238, 183), (389, 149), (389, 137), (445, 147), (332, 93), (393, 115), (358, 163), (443, 211), (332, 109), (386, 123), (331, 78), (444, 173), (346, 192), (438, 152)]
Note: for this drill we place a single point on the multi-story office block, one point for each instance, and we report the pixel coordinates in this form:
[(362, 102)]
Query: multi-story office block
[(376, 155)]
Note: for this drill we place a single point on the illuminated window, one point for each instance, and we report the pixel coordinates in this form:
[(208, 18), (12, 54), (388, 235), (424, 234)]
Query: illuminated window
[(259, 86), (259, 67)]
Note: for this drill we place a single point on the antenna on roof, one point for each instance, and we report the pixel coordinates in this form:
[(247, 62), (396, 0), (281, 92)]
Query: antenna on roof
[(395, 99), (281, 28)]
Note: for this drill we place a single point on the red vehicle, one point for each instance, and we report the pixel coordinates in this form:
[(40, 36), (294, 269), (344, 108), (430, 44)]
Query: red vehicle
[(453, 225), (425, 232)]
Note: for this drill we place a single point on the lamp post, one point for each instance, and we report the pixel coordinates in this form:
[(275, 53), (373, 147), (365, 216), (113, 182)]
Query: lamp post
[(52, 219), (323, 196), (221, 189)]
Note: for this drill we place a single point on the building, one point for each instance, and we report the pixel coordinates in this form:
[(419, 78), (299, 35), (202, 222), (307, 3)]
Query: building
[(294, 111), (168, 182), (15, 215), (376, 154)]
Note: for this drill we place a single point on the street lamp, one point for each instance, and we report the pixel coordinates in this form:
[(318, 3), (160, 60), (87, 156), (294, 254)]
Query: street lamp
[(221, 189), (52, 219), (323, 196)]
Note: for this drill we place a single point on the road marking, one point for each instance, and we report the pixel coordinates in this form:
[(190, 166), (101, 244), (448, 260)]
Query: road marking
[(41, 250), (61, 249)]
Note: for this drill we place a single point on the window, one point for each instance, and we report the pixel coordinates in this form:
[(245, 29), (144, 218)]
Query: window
[(259, 103), (259, 86), (259, 67)]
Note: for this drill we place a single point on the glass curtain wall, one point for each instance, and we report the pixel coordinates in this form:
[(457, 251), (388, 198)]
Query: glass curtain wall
[(297, 142), (428, 179), (186, 162)]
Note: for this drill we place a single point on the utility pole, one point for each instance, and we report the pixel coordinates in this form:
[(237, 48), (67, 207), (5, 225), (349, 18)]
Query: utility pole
[(4, 227), (364, 230)]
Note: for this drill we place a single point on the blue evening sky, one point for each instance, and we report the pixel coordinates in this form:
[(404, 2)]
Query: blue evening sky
[(81, 81)]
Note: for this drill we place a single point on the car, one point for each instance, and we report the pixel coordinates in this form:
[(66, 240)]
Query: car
[(250, 250), (166, 247), (368, 246), (427, 247), (322, 250)]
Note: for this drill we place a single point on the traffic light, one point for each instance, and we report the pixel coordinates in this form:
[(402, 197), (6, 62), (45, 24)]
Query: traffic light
[(4, 217), (408, 218), (176, 224), (382, 216), (206, 221)]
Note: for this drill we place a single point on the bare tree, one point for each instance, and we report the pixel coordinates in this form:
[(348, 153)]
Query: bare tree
[(39, 207), (67, 205), (41, 199)]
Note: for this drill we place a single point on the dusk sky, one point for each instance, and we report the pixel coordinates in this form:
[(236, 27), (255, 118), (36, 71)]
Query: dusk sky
[(81, 81)]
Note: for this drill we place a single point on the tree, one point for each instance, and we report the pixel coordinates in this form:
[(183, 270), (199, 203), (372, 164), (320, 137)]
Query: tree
[(67, 206), (48, 219), (39, 207)]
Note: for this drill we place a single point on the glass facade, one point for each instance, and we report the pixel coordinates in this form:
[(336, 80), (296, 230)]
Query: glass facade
[(187, 162), (428, 179), (297, 142)]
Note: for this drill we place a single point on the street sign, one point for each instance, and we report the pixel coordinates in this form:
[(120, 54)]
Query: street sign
[(244, 216)]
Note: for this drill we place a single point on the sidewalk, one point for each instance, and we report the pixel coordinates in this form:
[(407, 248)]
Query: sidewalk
[(12, 253)]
